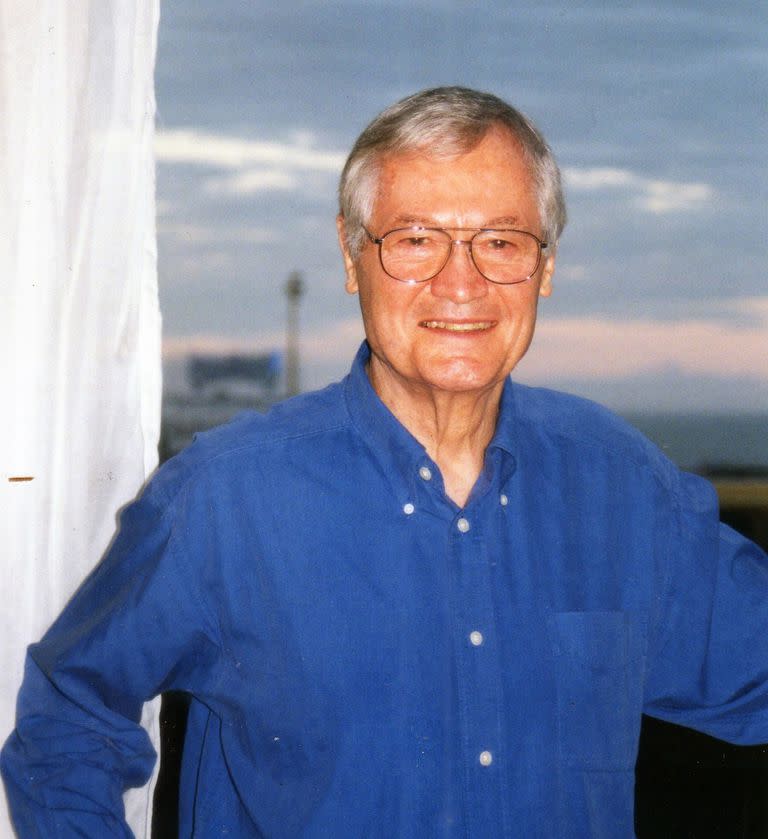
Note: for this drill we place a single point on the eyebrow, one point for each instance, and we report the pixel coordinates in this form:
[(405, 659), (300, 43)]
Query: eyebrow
[(425, 221), (414, 221), (503, 221)]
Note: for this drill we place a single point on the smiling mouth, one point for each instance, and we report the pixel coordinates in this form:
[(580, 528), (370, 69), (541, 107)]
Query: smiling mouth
[(450, 326)]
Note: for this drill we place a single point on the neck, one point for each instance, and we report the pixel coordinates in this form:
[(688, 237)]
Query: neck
[(455, 427)]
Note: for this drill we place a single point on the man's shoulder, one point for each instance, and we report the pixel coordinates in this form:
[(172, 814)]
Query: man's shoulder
[(565, 411), (585, 424), (300, 421), (307, 415)]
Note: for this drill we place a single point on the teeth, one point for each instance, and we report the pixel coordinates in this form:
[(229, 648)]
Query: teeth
[(457, 327)]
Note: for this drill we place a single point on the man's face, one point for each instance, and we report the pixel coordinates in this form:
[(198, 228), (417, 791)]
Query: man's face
[(457, 332)]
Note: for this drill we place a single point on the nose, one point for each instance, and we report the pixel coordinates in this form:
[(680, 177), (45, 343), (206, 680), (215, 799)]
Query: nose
[(459, 280)]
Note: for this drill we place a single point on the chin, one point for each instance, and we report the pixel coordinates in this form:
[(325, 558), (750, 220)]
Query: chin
[(460, 378)]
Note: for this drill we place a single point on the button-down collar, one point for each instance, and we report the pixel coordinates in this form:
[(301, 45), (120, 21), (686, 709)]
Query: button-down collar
[(403, 457)]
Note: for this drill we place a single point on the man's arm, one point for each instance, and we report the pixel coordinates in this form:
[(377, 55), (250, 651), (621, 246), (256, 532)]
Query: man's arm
[(708, 664), (135, 628), (65, 769)]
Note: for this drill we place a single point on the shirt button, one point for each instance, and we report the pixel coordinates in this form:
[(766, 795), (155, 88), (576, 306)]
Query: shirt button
[(475, 638), (463, 525), (425, 473), (408, 509), (503, 500), (485, 758)]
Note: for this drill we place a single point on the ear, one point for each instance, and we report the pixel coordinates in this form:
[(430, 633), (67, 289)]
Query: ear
[(349, 264), (545, 286)]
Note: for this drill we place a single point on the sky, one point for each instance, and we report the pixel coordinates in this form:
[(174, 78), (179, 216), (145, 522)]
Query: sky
[(655, 111)]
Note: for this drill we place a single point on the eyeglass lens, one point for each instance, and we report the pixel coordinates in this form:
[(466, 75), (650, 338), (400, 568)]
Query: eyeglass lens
[(502, 256)]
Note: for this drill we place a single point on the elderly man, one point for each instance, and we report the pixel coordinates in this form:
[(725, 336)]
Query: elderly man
[(422, 602)]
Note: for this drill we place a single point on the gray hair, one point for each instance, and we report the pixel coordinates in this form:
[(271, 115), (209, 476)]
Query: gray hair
[(444, 121)]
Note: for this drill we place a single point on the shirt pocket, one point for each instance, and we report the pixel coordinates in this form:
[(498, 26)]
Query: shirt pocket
[(598, 681)]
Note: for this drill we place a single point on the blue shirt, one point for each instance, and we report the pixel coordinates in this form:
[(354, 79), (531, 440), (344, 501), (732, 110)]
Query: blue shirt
[(368, 660)]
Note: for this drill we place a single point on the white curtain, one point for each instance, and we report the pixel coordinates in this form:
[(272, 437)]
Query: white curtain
[(79, 317)]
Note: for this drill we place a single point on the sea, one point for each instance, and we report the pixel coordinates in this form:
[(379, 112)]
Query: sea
[(710, 444)]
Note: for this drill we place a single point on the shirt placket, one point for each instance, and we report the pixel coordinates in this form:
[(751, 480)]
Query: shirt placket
[(476, 653)]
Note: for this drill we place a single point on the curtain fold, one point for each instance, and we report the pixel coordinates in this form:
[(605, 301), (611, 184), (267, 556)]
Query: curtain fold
[(79, 315)]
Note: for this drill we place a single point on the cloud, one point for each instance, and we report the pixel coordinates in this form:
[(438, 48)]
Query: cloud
[(178, 347), (609, 348), (251, 166), (259, 166), (692, 365), (252, 181), (598, 178), (669, 197), (755, 309), (568, 348), (199, 148), (330, 342), (653, 195)]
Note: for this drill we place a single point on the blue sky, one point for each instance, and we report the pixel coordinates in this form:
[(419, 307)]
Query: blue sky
[(656, 111)]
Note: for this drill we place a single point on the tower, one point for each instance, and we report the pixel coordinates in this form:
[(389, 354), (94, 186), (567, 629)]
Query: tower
[(294, 288)]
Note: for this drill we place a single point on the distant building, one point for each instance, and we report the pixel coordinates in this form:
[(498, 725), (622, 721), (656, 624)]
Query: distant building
[(261, 372), (220, 387)]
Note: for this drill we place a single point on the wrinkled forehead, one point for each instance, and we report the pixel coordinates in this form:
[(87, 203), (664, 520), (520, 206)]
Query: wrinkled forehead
[(497, 156)]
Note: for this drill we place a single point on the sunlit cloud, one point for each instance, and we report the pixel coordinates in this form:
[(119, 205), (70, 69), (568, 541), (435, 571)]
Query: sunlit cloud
[(650, 194), (330, 342), (609, 348), (178, 347), (579, 349)]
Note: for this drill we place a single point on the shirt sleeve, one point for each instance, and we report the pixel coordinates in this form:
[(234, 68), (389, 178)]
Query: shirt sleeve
[(708, 658), (135, 628)]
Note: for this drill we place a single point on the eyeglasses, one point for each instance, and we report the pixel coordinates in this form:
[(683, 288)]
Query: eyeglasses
[(417, 254)]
